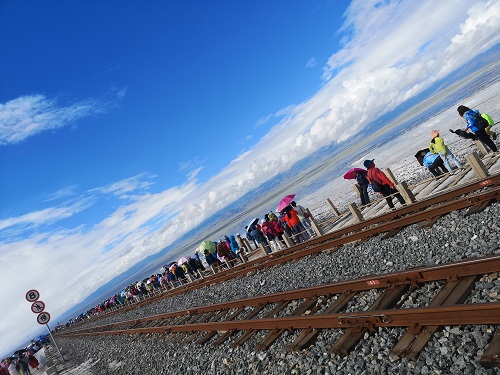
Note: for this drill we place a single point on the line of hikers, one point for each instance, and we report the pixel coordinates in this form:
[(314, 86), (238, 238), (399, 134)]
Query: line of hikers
[(292, 225), (436, 158)]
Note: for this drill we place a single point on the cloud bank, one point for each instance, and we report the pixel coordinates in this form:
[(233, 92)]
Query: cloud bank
[(391, 51)]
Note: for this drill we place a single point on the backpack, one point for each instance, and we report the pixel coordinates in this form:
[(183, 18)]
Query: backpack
[(488, 118), (481, 122), (376, 186)]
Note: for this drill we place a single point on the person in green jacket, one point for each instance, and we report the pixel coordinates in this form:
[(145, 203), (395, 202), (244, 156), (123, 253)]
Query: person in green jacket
[(437, 146), (488, 130)]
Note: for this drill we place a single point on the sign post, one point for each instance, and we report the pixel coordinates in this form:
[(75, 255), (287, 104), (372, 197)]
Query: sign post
[(43, 317), (37, 307), (32, 295)]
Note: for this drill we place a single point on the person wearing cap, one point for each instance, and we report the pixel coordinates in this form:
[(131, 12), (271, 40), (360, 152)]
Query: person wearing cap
[(437, 146), (474, 119), (387, 186)]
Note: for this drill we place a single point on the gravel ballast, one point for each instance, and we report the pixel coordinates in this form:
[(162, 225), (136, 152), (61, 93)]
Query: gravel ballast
[(454, 350)]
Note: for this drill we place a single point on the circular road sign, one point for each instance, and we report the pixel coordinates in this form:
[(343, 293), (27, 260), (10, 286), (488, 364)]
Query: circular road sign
[(32, 295), (38, 307), (43, 318)]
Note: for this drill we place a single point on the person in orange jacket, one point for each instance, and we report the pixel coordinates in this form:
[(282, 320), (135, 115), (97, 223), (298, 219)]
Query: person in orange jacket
[(292, 219), (386, 185)]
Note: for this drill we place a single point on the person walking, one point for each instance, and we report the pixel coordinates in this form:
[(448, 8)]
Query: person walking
[(437, 146), (381, 184), (363, 187), (477, 125)]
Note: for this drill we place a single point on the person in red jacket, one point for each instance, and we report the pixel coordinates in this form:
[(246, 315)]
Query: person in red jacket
[(270, 232), (278, 228), (387, 186), (292, 219)]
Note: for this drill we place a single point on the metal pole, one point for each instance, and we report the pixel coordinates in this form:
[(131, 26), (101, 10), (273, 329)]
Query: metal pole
[(52, 337)]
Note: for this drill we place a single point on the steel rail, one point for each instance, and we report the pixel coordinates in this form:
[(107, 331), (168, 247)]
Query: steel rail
[(473, 314), (360, 231), (414, 277)]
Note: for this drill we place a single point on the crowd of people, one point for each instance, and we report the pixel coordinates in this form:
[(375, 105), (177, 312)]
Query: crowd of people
[(23, 360), (292, 224), (437, 158), (293, 221)]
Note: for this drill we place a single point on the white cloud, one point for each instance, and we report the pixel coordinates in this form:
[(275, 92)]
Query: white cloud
[(62, 193), (29, 115), (122, 188), (192, 175), (45, 216), (262, 121), (311, 63), (392, 52), (192, 166)]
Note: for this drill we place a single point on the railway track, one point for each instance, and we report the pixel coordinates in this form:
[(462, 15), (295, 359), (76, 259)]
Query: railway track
[(308, 312), (473, 196), (301, 316)]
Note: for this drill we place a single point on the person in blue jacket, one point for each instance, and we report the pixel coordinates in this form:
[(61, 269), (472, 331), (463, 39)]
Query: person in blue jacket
[(235, 248), (471, 117), (433, 162)]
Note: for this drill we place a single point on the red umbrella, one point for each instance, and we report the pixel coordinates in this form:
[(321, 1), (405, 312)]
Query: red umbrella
[(349, 175), (285, 202)]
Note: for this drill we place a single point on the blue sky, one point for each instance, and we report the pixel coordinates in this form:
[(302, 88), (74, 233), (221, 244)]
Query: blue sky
[(124, 125)]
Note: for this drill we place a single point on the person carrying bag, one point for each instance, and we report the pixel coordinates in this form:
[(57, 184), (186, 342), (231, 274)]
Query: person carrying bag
[(381, 184)]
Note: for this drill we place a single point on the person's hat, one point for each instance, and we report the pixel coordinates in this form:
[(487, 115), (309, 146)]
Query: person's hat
[(367, 163), (237, 234)]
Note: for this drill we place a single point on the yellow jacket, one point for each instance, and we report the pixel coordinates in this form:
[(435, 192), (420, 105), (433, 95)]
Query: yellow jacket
[(437, 145)]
